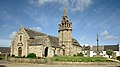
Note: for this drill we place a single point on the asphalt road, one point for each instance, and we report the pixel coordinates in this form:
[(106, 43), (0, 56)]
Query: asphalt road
[(46, 65), (9, 64)]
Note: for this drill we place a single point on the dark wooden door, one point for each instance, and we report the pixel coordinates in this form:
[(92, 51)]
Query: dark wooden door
[(63, 52), (19, 51)]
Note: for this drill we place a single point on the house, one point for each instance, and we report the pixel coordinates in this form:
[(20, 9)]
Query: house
[(4, 50), (92, 51)]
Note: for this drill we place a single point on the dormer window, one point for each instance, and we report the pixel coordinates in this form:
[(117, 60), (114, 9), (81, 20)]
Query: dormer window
[(20, 38)]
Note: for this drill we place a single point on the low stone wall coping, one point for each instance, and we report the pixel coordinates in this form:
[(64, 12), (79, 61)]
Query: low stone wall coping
[(87, 63), (42, 61)]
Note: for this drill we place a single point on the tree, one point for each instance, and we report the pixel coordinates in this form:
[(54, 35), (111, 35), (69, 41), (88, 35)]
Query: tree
[(109, 52)]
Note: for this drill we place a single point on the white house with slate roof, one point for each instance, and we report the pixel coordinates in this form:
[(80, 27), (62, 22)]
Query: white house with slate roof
[(91, 51), (29, 41)]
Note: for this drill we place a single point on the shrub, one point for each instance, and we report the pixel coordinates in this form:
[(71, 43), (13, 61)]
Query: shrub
[(39, 57), (1, 58), (79, 54), (31, 55), (24, 56), (55, 55), (79, 60), (74, 55), (18, 56), (92, 60), (12, 55), (118, 58)]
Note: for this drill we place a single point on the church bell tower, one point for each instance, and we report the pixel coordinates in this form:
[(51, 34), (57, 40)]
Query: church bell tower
[(65, 34)]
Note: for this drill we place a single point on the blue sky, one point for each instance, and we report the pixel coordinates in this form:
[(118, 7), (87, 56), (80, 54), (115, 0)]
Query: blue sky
[(88, 17)]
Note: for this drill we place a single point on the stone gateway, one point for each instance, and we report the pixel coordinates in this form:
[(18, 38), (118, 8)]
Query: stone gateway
[(29, 41)]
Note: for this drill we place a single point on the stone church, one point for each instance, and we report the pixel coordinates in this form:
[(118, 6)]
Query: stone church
[(29, 41)]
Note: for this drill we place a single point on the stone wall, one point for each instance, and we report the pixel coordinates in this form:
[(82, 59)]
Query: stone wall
[(38, 50), (27, 60), (76, 49)]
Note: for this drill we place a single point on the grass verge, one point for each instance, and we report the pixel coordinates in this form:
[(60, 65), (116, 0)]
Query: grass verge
[(79, 59)]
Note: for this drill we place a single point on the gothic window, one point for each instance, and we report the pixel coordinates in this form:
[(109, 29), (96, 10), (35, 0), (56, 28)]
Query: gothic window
[(20, 38), (62, 23)]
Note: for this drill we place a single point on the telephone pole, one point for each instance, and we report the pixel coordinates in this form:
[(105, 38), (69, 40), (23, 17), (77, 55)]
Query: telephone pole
[(97, 45)]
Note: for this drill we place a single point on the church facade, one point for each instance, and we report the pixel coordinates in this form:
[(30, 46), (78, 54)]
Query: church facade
[(29, 41)]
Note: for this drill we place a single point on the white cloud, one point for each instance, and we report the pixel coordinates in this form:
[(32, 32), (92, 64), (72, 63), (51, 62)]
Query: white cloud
[(73, 5), (80, 5), (11, 36), (106, 36), (36, 28), (105, 33), (5, 43), (42, 2)]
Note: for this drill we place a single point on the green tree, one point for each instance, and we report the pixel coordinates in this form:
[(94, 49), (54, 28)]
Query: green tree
[(109, 52)]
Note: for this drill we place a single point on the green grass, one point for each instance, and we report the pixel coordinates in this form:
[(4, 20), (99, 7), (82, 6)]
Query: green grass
[(79, 59)]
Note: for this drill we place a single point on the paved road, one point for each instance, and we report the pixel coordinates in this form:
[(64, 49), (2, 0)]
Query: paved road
[(8, 64), (46, 65)]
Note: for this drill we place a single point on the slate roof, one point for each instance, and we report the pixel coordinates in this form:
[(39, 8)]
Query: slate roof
[(86, 48), (33, 33), (105, 47), (54, 41), (94, 48), (112, 47), (5, 49), (75, 42), (38, 41)]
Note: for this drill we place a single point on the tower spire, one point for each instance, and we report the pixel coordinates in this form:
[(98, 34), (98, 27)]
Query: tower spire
[(65, 10)]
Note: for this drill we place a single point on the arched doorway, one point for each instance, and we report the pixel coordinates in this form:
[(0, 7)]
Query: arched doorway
[(63, 52), (19, 51), (46, 51)]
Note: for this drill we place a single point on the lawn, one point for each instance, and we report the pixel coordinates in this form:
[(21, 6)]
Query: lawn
[(79, 59)]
